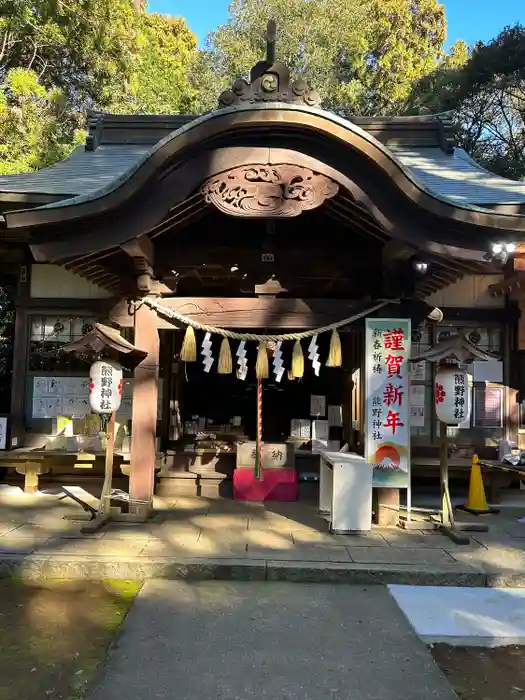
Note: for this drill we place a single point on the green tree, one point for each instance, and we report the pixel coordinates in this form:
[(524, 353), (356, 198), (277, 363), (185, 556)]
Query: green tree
[(431, 93), (486, 92), (82, 47), (166, 55), (363, 56), (36, 129), (59, 58)]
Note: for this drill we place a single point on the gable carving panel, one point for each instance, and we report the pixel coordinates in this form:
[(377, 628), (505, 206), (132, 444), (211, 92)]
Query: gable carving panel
[(268, 191)]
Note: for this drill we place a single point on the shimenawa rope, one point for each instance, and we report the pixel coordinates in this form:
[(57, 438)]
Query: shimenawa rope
[(225, 333)]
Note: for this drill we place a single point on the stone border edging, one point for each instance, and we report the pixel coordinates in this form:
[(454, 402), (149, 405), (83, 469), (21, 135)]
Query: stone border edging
[(99, 567)]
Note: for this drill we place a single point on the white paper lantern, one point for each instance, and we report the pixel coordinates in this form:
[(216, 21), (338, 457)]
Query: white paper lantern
[(105, 386), (452, 395)]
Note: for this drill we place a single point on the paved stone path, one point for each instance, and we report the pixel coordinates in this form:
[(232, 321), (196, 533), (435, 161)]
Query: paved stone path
[(197, 537), (244, 640)]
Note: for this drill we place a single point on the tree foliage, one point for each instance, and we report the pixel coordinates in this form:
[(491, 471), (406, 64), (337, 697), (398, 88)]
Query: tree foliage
[(59, 58), (82, 47), (363, 56), (166, 54), (36, 128), (485, 89)]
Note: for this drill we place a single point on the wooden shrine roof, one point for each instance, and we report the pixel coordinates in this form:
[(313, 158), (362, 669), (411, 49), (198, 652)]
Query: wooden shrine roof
[(117, 144)]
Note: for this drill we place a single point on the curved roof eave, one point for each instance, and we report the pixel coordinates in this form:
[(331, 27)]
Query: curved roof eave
[(294, 116)]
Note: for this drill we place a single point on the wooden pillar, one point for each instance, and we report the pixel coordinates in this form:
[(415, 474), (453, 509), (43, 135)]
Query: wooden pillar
[(20, 350), (144, 415), (521, 322)]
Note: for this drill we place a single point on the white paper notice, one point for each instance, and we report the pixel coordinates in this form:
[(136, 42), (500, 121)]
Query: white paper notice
[(335, 416), (320, 430), (39, 387), (417, 406), (75, 406), (305, 429), (55, 385), (295, 428), (60, 386), (418, 371), (317, 406), (47, 407)]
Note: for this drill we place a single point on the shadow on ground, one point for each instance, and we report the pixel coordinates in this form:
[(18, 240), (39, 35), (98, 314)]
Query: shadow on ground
[(200, 529), (54, 634)]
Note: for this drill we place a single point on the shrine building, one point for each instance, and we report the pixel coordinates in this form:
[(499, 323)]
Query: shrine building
[(267, 217)]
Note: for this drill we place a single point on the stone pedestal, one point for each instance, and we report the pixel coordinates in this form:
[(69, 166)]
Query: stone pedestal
[(387, 517)]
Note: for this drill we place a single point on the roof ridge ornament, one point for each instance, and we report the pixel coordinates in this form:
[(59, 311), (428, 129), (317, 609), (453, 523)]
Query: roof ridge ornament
[(271, 41), (269, 82)]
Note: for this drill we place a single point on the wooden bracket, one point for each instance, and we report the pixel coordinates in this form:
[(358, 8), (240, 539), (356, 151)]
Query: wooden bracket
[(270, 289), (141, 247), (142, 253)]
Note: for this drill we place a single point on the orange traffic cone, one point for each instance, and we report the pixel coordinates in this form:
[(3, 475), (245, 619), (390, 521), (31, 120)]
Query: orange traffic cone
[(477, 501)]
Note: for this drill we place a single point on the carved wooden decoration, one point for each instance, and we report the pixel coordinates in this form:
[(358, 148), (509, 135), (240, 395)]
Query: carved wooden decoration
[(273, 86), (269, 82), (268, 191)]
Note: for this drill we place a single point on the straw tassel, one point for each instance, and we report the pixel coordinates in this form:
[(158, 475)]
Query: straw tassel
[(225, 358), (297, 360), (262, 369), (188, 352), (335, 355)]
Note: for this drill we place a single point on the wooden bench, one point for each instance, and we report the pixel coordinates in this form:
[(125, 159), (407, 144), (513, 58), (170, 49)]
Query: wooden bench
[(459, 467), (33, 463)]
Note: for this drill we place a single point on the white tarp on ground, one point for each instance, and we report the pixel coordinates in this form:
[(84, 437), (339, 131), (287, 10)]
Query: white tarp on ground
[(464, 616)]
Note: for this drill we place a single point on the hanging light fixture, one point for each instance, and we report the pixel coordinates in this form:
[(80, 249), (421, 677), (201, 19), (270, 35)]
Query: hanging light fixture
[(420, 266), (500, 251)]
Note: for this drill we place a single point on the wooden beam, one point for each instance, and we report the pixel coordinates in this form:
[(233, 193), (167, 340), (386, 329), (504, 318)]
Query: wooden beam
[(181, 215), (250, 312), (208, 259), (359, 224), (85, 261), (508, 285)]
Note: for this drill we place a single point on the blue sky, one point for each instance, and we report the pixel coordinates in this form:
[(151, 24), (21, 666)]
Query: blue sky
[(470, 20)]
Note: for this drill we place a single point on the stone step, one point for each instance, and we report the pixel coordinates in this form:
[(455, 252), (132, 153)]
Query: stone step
[(141, 568), (187, 484)]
